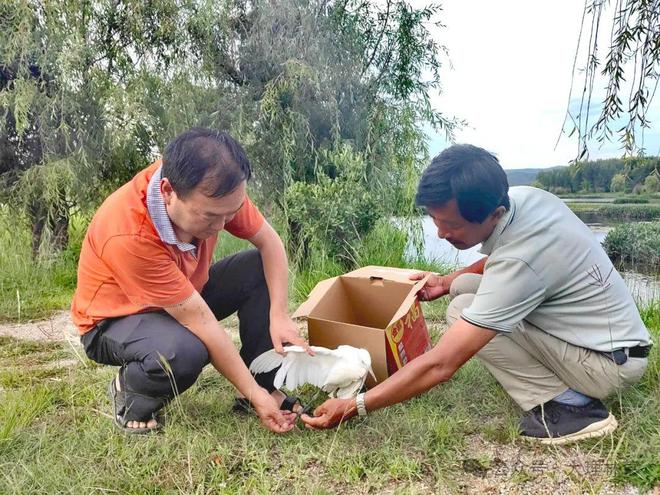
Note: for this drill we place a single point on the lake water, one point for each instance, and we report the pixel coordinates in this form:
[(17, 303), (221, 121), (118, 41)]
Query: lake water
[(644, 288)]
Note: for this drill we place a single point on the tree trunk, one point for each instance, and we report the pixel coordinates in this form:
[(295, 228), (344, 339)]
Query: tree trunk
[(59, 227), (38, 220), (61, 231)]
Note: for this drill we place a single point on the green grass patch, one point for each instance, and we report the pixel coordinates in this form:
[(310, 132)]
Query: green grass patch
[(34, 288), (19, 377), (54, 433), (55, 430), (631, 200), (599, 212)]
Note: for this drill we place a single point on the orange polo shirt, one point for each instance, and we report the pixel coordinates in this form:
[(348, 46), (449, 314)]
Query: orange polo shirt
[(125, 267)]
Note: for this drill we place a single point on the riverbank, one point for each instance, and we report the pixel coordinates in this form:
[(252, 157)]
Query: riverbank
[(598, 212)]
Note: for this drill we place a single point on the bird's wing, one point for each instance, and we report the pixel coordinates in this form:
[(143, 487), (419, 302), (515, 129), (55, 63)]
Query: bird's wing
[(301, 368), (266, 362), (270, 360), (350, 390), (326, 368)]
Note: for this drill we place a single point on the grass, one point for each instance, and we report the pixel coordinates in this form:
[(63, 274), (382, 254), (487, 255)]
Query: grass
[(609, 196), (635, 244), (55, 437), (631, 200), (595, 212), (32, 289)]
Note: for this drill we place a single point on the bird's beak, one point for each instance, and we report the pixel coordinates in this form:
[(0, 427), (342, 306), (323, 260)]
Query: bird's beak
[(372, 373)]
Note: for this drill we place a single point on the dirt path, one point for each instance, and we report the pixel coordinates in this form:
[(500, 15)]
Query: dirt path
[(58, 327)]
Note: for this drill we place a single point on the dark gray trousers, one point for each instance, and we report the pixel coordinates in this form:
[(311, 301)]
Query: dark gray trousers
[(161, 358)]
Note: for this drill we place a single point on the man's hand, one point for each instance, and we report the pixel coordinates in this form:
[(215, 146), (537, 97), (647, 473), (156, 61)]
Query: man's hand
[(270, 414), (283, 330), (435, 287), (330, 414)]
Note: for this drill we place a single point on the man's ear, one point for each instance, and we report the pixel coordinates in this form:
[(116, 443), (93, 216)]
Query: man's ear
[(166, 190), (499, 213)]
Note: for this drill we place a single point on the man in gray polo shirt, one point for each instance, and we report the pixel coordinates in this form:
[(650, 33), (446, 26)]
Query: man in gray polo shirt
[(545, 310)]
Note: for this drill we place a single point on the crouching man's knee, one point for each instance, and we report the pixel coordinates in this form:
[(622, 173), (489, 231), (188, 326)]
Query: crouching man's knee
[(467, 283), (456, 306), (174, 368)]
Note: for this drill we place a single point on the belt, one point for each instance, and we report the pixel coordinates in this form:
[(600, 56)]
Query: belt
[(620, 356)]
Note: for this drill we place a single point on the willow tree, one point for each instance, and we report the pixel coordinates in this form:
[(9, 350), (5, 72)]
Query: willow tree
[(631, 70), (331, 99), (76, 106)]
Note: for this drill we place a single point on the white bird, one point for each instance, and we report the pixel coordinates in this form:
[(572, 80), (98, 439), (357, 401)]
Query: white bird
[(340, 372)]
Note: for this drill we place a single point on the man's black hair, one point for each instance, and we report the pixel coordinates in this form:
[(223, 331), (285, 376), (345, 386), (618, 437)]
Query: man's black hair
[(208, 157), (469, 174)]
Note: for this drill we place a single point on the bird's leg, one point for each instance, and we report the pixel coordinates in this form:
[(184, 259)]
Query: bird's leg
[(308, 407)]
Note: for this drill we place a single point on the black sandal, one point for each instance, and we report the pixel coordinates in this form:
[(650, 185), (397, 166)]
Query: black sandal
[(290, 402), (120, 413), (243, 405)]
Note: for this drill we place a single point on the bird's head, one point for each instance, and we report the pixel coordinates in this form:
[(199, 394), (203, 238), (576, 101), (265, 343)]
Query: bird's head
[(365, 358)]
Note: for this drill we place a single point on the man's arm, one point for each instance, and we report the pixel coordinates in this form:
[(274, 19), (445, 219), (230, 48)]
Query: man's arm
[(458, 344), (476, 267), (195, 315), (276, 272), (438, 285)]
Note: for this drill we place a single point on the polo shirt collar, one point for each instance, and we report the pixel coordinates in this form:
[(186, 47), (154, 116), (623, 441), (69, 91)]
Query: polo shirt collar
[(489, 244), (159, 216)]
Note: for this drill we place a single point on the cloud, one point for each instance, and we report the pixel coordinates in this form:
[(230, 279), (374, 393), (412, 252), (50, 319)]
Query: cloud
[(512, 64)]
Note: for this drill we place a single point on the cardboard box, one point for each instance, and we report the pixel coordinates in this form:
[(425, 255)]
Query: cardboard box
[(373, 307)]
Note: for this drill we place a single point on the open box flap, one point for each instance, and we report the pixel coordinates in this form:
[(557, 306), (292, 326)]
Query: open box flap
[(314, 298), (387, 273), (410, 299)]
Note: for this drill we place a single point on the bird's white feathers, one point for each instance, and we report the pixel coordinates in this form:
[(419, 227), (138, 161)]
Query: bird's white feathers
[(340, 372)]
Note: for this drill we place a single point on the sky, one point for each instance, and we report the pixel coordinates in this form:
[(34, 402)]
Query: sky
[(510, 80)]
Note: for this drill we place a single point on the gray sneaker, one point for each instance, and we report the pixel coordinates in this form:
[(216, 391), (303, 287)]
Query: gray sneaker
[(553, 423)]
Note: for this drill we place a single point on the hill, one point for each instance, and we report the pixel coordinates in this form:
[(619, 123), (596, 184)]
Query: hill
[(522, 176)]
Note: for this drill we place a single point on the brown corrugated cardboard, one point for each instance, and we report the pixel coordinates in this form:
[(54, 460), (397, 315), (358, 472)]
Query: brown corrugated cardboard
[(373, 307)]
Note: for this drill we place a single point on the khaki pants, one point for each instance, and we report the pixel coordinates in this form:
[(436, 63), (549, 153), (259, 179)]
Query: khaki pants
[(534, 367)]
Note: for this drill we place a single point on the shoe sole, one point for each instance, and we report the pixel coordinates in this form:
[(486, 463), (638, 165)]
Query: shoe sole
[(594, 430)]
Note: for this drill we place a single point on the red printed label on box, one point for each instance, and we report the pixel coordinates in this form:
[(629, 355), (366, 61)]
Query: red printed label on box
[(407, 338)]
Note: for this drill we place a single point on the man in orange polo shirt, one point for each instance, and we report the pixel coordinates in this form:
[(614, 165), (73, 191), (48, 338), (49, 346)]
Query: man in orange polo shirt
[(148, 298)]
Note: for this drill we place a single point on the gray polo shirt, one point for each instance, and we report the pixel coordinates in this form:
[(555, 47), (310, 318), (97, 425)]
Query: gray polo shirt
[(545, 266)]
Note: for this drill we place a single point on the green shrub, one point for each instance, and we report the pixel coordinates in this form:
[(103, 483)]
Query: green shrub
[(598, 212), (629, 200), (385, 245), (619, 183), (333, 214), (635, 243)]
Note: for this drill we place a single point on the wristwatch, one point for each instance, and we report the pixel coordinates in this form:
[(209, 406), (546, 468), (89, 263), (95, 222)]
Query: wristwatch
[(359, 402)]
